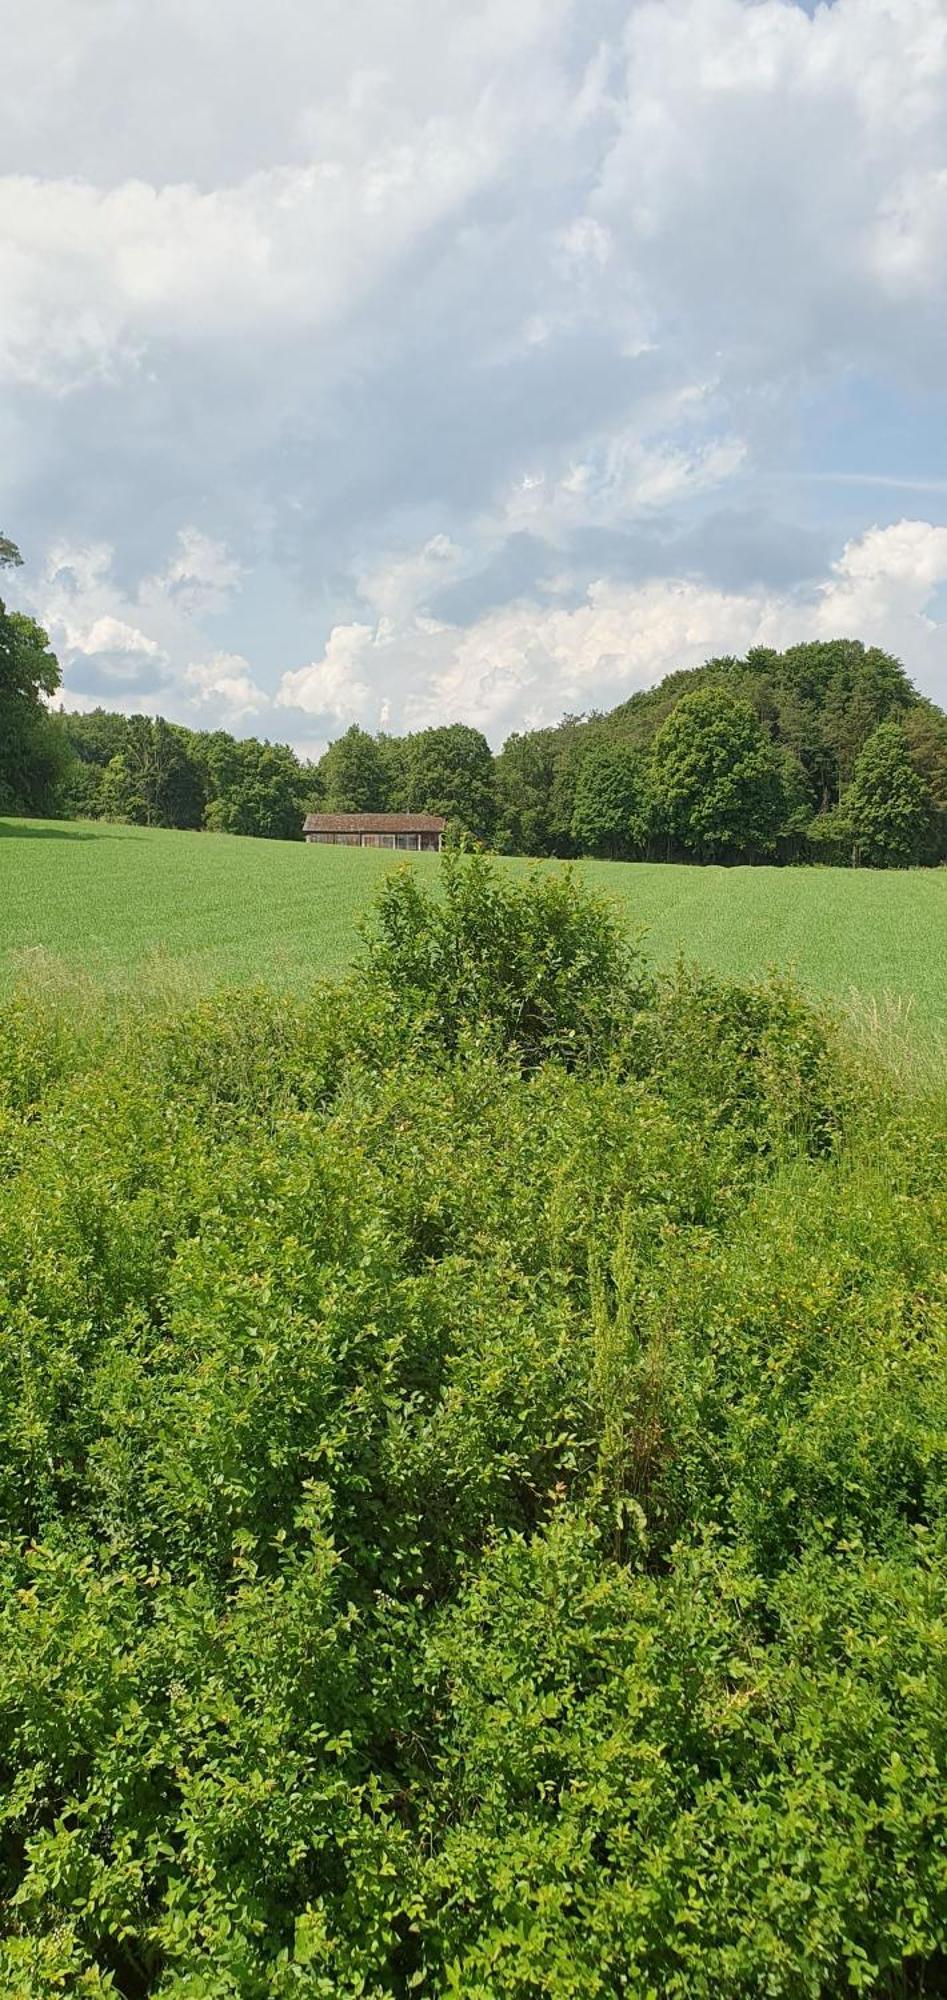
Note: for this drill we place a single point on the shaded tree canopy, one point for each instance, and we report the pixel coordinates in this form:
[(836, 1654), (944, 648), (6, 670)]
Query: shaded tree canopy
[(353, 775), (888, 810), (156, 773), (609, 816), (816, 705), (716, 777), (451, 771), (33, 752)]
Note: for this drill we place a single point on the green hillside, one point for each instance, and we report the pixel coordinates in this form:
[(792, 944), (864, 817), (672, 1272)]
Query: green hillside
[(117, 903)]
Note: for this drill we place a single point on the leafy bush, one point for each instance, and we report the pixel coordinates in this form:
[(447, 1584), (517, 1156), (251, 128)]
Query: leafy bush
[(540, 967), (472, 1496)]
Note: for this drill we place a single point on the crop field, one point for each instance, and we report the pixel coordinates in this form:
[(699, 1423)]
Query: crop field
[(125, 905)]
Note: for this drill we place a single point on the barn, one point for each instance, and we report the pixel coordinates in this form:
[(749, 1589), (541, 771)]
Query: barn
[(414, 833)]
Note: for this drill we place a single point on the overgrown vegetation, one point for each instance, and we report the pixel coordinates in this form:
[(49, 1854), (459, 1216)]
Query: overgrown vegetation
[(473, 1483)]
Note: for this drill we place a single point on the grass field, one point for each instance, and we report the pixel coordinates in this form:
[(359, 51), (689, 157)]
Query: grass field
[(122, 904)]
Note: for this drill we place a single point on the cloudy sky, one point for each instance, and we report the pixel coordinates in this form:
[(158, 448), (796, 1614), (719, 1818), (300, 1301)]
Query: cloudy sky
[(468, 359)]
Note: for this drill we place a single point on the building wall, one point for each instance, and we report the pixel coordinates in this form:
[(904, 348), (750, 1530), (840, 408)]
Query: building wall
[(408, 843)]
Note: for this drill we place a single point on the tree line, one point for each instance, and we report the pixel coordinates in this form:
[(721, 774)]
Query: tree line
[(824, 751)]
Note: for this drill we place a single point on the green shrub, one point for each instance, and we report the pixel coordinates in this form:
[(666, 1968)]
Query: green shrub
[(472, 1484), (540, 967)]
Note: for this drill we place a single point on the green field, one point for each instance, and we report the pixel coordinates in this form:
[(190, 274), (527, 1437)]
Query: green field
[(122, 903)]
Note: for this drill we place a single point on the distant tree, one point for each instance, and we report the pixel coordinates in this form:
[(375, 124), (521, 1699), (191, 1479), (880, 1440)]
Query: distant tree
[(887, 810), (394, 756), (354, 775), (525, 774), (82, 791), (180, 791), (451, 771), (798, 799), (266, 794), (98, 736), (716, 778), (817, 703), (121, 792), (34, 752), (609, 817), (925, 732)]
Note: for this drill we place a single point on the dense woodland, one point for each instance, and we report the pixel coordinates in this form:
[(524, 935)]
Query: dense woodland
[(823, 752)]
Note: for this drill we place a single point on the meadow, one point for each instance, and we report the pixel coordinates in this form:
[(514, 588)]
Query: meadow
[(129, 907)]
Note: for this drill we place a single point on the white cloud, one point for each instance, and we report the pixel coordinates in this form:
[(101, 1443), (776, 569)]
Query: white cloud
[(769, 202), (621, 474), (95, 277), (224, 685), (526, 665), (201, 575), (315, 316), (129, 646), (402, 581), (113, 635), (338, 686)]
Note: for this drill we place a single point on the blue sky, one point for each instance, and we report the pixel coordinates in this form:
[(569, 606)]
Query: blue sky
[(469, 361)]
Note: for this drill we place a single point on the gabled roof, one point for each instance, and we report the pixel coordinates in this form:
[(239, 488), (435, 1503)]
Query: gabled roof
[(373, 823)]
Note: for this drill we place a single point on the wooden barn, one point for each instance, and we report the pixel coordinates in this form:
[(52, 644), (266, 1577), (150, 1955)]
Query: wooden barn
[(414, 833)]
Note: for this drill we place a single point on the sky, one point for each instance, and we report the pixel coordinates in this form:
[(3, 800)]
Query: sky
[(468, 360)]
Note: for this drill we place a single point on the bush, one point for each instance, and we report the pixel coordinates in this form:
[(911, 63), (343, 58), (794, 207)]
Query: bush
[(539, 967), (472, 1484)]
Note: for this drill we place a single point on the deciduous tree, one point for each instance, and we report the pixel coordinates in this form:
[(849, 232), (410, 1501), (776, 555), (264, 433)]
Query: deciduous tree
[(610, 816), (716, 778), (887, 810), (353, 774)]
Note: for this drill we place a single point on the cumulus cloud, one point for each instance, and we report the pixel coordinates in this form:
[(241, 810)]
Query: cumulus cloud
[(135, 647), (489, 358), (338, 687), (225, 685), (528, 664)]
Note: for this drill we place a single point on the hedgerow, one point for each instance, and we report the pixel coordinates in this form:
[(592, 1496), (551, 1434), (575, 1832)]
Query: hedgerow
[(472, 1488)]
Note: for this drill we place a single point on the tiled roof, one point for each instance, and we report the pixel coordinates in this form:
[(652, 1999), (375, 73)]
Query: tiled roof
[(374, 823)]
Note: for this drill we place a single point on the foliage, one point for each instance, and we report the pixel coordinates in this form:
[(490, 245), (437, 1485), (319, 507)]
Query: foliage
[(153, 773), (817, 704), (716, 779), (268, 796), (888, 810), (525, 773), (470, 1525), (33, 753), (450, 771), (535, 968), (610, 812), (352, 774)]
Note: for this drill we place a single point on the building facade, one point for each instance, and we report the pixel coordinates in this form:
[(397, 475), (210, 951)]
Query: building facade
[(411, 833)]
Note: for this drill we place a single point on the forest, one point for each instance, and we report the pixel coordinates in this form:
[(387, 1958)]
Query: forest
[(824, 752)]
